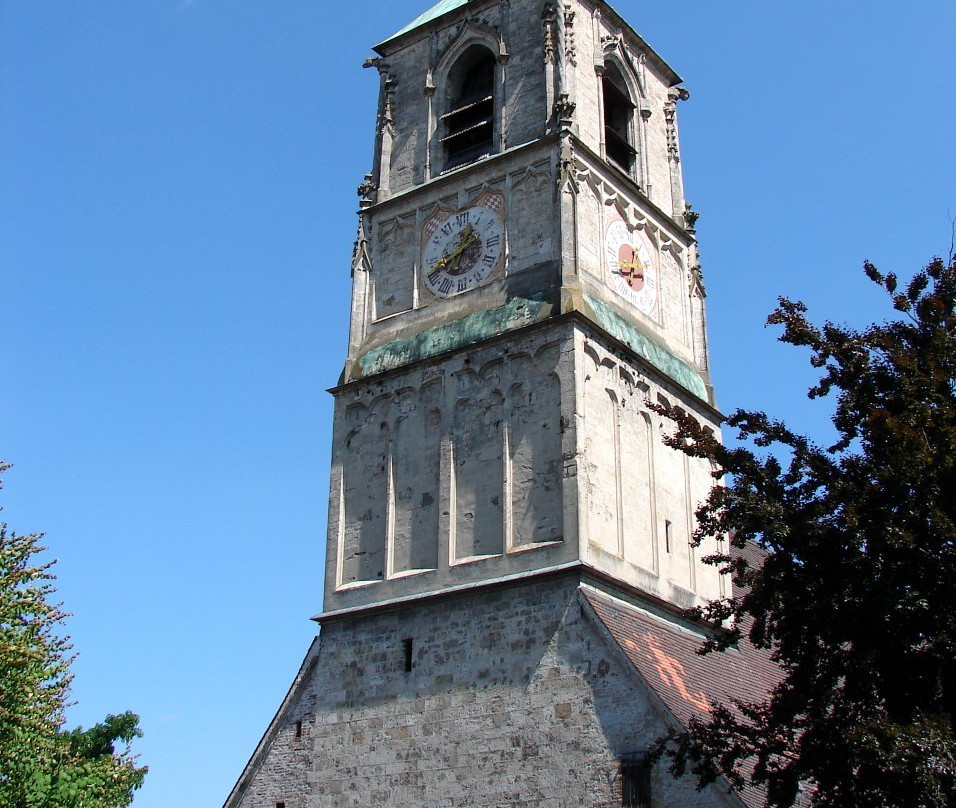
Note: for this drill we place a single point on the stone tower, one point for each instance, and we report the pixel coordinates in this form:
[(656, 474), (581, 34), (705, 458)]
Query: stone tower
[(524, 283), (508, 553)]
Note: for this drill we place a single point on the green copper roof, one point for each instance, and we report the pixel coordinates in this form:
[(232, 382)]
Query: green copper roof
[(644, 346), (441, 7), (473, 328)]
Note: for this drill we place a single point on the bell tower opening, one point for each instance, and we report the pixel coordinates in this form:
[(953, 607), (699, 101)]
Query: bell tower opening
[(468, 125), (618, 120)]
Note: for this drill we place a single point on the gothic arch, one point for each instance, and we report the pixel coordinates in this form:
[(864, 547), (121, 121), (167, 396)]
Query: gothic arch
[(623, 110), (620, 105), (468, 89), (470, 33), (493, 371)]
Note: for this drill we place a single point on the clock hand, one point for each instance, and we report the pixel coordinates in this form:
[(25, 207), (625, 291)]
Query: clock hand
[(460, 254), (631, 269), (441, 262), (468, 237), (472, 239)]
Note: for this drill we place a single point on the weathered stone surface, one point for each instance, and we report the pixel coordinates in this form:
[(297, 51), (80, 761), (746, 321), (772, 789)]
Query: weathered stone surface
[(647, 348), (451, 471), (560, 194), (493, 442), (512, 455), (472, 328), (514, 698)]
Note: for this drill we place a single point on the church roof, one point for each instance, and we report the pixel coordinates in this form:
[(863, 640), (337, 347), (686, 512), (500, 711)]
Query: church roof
[(441, 7), (665, 655)]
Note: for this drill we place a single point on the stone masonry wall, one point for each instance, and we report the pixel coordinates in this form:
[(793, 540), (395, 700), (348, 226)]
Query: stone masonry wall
[(418, 94), (638, 496), (452, 471), (544, 50), (513, 699)]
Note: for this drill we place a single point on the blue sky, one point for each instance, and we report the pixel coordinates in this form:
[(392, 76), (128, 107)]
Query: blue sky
[(177, 211)]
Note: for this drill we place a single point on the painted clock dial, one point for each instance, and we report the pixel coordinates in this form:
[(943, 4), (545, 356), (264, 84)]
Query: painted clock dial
[(631, 263), (462, 249)]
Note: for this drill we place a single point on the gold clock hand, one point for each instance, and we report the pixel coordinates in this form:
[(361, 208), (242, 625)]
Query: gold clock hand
[(631, 270), (466, 239), (440, 264)]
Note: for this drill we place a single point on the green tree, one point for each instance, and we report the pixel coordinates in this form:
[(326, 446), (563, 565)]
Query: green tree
[(41, 764), (854, 592)]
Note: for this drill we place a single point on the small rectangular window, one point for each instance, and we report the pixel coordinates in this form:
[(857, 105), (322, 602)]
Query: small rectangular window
[(407, 647), (635, 782), (280, 805), (298, 729), (668, 534)]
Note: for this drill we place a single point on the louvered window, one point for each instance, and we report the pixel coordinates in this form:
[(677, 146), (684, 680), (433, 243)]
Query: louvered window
[(618, 117), (468, 126)]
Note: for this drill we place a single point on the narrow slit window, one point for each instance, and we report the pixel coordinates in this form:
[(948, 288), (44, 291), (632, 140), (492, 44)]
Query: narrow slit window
[(407, 645), (668, 534), (618, 117), (635, 782), (467, 128), (298, 729)]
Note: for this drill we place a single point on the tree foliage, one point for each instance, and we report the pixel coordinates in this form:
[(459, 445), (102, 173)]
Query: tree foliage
[(41, 764), (854, 595)]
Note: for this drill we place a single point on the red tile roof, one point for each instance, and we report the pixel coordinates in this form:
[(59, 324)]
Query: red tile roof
[(664, 652)]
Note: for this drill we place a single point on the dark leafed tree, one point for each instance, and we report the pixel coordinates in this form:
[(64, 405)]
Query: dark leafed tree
[(854, 594), (41, 764)]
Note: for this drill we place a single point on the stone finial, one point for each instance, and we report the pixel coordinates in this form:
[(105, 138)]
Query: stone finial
[(549, 17), (670, 123), (564, 110), (690, 218), (388, 111), (360, 249), (570, 49), (566, 173), (367, 192)]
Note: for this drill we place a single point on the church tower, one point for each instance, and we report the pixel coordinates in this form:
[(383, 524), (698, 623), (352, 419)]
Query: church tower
[(508, 555), (525, 283)]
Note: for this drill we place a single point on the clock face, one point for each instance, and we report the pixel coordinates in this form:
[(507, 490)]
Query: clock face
[(462, 249), (631, 264)]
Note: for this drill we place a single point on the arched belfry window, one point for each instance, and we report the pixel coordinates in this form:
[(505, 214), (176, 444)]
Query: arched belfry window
[(618, 120), (468, 126)]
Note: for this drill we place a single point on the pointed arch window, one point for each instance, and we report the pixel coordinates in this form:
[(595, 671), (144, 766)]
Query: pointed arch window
[(468, 127), (618, 120)]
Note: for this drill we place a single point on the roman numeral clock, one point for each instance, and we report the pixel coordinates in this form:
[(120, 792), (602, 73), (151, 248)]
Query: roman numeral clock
[(463, 249)]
